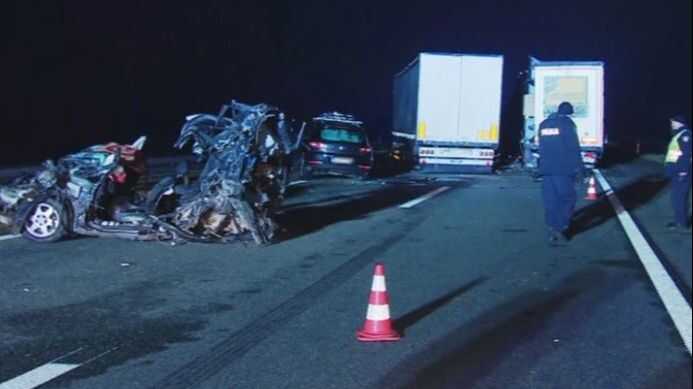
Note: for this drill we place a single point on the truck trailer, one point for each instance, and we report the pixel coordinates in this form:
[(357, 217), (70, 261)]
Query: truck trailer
[(447, 110), (580, 83)]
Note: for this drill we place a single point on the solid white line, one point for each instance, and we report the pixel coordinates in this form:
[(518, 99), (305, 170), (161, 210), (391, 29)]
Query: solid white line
[(420, 200), (675, 303), (298, 183), (8, 237), (38, 376)]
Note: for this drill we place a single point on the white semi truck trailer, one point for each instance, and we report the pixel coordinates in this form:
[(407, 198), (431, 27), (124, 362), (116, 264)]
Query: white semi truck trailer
[(447, 110)]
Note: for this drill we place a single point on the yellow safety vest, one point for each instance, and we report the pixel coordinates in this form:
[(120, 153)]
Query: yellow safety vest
[(675, 151)]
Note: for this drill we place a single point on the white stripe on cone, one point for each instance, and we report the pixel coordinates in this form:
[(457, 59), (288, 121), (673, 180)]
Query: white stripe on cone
[(379, 284), (378, 312)]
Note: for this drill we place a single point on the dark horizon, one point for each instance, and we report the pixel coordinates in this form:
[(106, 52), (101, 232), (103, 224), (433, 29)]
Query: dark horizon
[(79, 73)]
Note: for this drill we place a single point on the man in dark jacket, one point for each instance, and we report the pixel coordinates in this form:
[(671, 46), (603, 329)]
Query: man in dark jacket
[(678, 168), (560, 165)]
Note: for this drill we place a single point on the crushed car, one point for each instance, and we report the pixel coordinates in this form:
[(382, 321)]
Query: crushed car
[(245, 151)]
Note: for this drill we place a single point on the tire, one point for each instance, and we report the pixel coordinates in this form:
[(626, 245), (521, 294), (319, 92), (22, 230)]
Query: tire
[(47, 222)]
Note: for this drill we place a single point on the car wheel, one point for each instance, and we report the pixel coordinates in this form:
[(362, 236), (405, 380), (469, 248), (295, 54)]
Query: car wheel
[(46, 222)]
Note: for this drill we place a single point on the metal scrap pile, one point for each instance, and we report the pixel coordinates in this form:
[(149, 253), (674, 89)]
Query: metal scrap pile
[(245, 151)]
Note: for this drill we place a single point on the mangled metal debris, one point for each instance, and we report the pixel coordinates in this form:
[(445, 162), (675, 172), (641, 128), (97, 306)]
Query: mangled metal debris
[(245, 151)]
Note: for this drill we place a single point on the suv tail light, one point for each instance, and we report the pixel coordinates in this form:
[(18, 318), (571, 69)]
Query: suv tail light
[(366, 150), (318, 145)]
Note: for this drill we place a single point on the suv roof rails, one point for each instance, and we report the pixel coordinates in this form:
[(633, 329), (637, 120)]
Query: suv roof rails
[(338, 117)]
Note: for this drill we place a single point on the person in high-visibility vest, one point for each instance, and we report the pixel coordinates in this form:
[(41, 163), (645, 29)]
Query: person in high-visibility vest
[(678, 169)]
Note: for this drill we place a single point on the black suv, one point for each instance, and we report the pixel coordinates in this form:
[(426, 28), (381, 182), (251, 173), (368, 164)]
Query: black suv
[(338, 144)]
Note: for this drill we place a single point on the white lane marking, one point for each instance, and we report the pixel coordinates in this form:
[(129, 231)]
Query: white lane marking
[(298, 183), (420, 200), (8, 237), (51, 370), (38, 376), (673, 299)]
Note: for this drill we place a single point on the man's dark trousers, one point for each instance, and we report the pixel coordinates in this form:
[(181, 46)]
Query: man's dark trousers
[(560, 199), (680, 188)]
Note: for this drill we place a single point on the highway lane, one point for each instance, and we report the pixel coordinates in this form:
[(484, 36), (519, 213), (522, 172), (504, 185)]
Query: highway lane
[(482, 300), (139, 297)]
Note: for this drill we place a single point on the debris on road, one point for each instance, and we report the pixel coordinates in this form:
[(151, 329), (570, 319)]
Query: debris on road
[(246, 152)]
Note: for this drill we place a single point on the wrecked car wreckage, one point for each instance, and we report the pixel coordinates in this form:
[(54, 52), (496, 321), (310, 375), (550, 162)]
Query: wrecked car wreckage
[(245, 152)]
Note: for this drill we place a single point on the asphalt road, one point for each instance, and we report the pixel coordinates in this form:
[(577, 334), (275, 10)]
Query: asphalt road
[(482, 300)]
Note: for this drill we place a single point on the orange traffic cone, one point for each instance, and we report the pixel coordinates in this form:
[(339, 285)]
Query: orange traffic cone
[(592, 191), (378, 327)]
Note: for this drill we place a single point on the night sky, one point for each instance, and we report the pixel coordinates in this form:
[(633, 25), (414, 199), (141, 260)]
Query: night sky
[(77, 72)]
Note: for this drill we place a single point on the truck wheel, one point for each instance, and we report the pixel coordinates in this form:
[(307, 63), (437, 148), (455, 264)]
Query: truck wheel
[(46, 222)]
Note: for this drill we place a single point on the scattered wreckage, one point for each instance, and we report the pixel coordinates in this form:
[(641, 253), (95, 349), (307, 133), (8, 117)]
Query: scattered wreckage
[(245, 152)]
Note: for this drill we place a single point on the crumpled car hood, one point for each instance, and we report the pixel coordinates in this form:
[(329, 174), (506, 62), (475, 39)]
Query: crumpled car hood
[(9, 197)]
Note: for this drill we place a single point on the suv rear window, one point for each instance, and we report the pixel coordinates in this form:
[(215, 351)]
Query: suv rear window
[(344, 135)]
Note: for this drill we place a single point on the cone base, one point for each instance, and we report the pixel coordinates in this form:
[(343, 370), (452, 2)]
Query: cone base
[(372, 338), (592, 198)]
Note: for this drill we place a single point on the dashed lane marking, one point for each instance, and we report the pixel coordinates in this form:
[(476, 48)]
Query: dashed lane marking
[(38, 376), (43, 374), (673, 299), (421, 199), (56, 368)]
